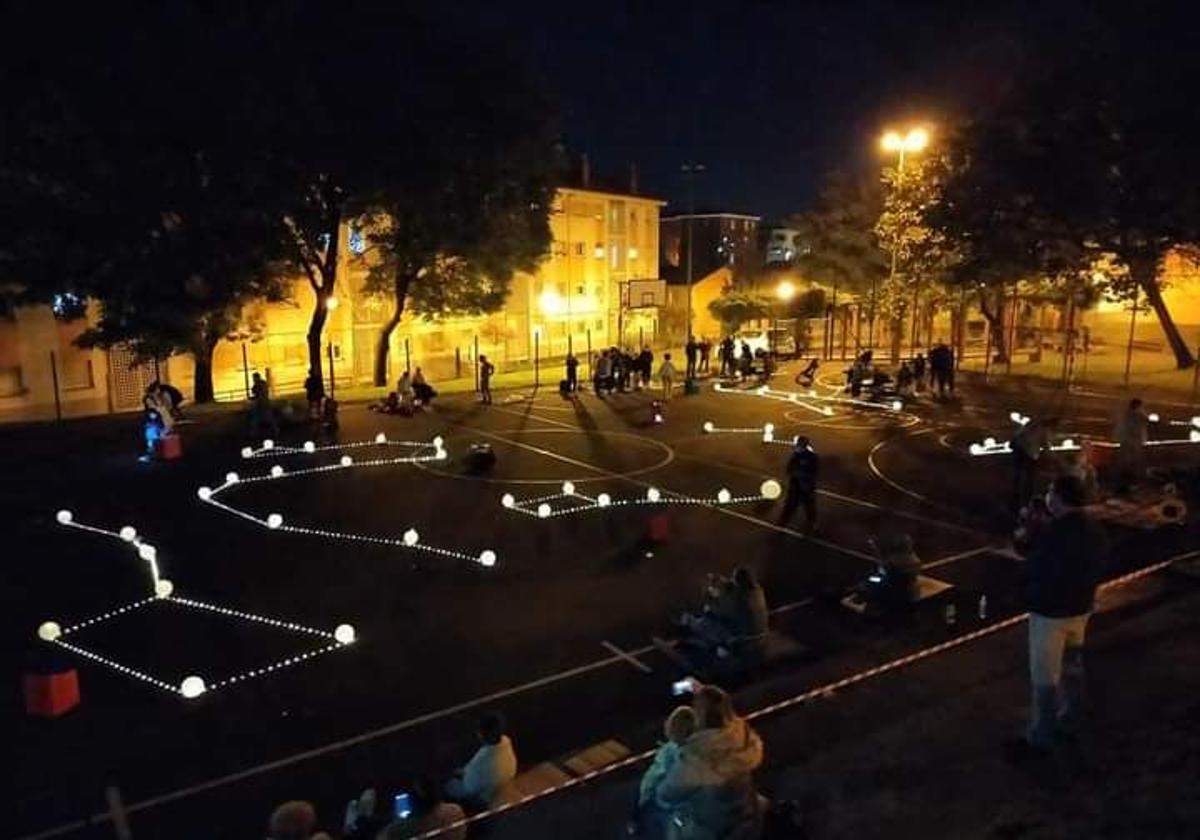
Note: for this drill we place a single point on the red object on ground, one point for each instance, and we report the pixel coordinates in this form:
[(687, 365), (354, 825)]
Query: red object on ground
[(658, 529), (51, 695), (170, 447)]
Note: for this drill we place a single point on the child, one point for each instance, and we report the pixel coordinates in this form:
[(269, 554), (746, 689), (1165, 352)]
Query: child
[(681, 724)]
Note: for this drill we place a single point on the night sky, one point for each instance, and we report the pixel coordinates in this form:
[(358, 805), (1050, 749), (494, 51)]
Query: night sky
[(770, 95)]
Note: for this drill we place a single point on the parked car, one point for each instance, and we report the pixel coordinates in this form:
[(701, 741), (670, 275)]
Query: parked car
[(757, 339)]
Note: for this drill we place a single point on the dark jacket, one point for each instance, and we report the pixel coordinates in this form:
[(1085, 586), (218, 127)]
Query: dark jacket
[(802, 469), (1065, 565)]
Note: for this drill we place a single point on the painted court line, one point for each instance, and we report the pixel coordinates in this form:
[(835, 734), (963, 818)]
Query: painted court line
[(630, 658), (371, 735)]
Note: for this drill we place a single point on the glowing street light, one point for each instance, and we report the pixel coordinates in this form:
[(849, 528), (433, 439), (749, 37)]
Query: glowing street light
[(785, 291), (331, 303), (914, 140)]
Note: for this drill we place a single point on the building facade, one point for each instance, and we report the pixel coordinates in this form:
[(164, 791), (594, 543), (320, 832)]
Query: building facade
[(600, 279), (722, 240)]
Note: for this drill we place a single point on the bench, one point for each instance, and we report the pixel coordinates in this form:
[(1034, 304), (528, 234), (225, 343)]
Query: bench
[(548, 774)]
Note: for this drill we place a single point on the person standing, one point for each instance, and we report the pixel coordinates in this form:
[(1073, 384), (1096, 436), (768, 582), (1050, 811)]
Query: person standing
[(746, 363), (802, 469), (1027, 446), (689, 353), (486, 369), (705, 352), (918, 369), (727, 358), (1131, 433), (1064, 567), (666, 376), (262, 415), (314, 392), (572, 373)]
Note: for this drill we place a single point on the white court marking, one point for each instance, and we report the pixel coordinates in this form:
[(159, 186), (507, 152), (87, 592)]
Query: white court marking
[(628, 657)]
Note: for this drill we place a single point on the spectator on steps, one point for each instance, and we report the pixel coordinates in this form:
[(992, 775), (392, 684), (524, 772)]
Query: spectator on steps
[(710, 789), (429, 813), (735, 610), (294, 820), (493, 766), (649, 818)]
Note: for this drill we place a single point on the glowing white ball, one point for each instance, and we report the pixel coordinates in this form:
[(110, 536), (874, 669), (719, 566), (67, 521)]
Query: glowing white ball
[(344, 634), (411, 537), (309, 446), (128, 533), (653, 494), (568, 488), (205, 493), (770, 489), (247, 452), (604, 500), (897, 405), (723, 496), (268, 444), (346, 461), (274, 521), (164, 588), (989, 442), (48, 631), (64, 517), (708, 427), (768, 437), (380, 438), (762, 389), (276, 471), (1014, 416), (658, 418), (975, 449), (1153, 418), (1194, 435), (1196, 421), (507, 500), (794, 398), (440, 454), (487, 558), (231, 478), (1068, 444), (439, 441), (827, 411), (768, 427), (543, 510), (192, 687), (147, 552)]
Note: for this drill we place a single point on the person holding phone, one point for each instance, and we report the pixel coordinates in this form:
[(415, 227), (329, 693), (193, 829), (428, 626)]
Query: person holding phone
[(421, 809)]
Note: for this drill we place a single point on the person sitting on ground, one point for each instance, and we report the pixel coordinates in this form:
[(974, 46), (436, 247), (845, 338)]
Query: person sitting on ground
[(422, 391), (295, 820), (649, 815), (808, 376), (904, 379), (493, 766), (746, 361), (710, 790), (429, 813), (735, 610), (899, 568)]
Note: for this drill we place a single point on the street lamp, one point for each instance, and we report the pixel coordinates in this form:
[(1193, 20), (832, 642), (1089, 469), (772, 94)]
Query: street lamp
[(912, 141), (690, 171)]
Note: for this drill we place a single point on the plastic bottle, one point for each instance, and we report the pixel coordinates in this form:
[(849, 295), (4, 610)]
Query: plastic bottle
[(951, 615), (982, 607)]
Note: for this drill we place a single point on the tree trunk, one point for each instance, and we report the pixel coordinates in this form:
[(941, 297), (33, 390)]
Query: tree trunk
[(1145, 274), (384, 342), (315, 326), (897, 337), (995, 319), (202, 355)]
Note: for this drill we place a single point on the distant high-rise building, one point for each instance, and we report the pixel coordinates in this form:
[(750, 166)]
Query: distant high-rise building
[(722, 240)]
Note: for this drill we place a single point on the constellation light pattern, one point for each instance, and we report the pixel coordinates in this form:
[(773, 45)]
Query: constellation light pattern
[(576, 502), (803, 400), (163, 592), (991, 446), (410, 539)]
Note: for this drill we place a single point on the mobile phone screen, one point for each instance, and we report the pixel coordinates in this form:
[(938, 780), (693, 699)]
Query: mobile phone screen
[(402, 806)]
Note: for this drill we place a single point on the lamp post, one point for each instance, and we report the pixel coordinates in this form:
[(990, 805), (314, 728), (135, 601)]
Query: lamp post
[(785, 291), (914, 140), (690, 171)]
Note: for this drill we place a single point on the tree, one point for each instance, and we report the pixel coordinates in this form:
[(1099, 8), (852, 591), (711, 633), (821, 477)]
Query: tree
[(921, 253), (119, 185), (733, 309), (447, 235), (1083, 160)]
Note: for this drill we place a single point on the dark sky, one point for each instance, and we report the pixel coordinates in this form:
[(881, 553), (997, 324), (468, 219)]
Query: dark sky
[(768, 95)]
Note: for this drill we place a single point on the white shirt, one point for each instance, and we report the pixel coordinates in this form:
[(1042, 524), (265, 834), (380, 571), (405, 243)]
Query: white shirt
[(667, 371), (492, 767)]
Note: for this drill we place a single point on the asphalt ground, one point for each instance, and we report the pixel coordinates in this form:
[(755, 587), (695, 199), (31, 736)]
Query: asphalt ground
[(546, 635)]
